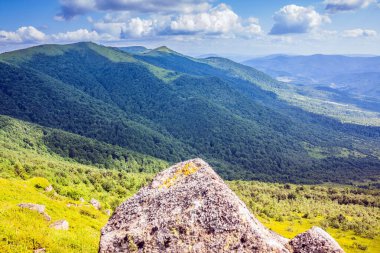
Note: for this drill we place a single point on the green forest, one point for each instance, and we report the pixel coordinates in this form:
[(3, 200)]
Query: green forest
[(173, 107)]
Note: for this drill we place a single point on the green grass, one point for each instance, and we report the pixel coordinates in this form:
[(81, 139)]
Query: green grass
[(350, 214), (22, 230)]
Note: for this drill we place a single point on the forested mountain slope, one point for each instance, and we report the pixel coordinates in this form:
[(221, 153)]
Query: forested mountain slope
[(170, 106)]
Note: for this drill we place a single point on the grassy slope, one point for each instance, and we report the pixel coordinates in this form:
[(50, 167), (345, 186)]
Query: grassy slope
[(27, 166), (23, 230), (24, 172)]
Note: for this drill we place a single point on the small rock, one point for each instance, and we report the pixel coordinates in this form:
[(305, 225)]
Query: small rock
[(34, 207), (81, 200), (108, 212), (42, 250), (95, 203), (46, 216), (49, 188), (60, 225)]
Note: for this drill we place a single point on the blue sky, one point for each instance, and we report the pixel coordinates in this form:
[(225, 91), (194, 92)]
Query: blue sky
[(230, 28)]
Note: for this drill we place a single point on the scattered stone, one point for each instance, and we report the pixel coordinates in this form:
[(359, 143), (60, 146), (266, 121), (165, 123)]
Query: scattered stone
[(60, 225), (188, 208), (46, 216), (34, 207), (315, 240), (95, 203), (108, 212), (42, 250), (49, 188), (82, 200)]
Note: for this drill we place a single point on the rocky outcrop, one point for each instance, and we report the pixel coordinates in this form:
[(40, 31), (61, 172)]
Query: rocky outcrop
[(188, 208)]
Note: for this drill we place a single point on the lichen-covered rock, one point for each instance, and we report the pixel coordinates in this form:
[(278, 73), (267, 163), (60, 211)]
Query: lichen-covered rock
[(187, 208), (315, 240)]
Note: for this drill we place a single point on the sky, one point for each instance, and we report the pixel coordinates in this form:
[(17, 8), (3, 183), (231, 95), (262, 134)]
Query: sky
[(233, 28)]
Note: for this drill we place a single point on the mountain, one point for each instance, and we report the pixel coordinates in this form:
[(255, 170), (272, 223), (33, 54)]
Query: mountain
[(134, 49), (356, 75), (163, 104), (188, 208)]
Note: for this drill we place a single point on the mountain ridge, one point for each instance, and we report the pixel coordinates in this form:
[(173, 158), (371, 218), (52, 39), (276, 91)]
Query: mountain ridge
[(174, 107)]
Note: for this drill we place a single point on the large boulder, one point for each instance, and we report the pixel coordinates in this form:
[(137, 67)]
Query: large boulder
[(188, 208)]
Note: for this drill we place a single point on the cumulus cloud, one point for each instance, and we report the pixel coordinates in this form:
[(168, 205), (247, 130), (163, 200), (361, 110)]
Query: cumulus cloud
[(25, 34), (355, 33), (72, 8), (217, 21), (334, 6), (31, 35), (296, 19), (80, 35)]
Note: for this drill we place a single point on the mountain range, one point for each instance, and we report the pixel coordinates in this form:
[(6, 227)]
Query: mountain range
[(357, 75), (162, 104)]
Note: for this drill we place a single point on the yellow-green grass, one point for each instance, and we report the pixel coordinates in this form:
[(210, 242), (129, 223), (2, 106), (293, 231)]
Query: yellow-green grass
[(23, 230), (347, 239), (293, 209)]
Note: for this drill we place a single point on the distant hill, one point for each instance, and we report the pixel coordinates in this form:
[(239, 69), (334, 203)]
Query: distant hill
[(354, 74), (134, 49), (166, 105)]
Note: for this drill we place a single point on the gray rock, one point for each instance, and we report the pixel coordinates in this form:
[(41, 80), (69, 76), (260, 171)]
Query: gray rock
[(49, 188), (81, 200), (42, 250), (315, 240), (188, 208), (95, 203), (60, 225), (34, 207), (108, 212)]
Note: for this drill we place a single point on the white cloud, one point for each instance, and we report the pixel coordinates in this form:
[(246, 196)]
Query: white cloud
[(80, 35), (355, 33), (25, 34), (137, 27), (218, 21), (346, 5), (72, 8), (297, 19), (31, 35)]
